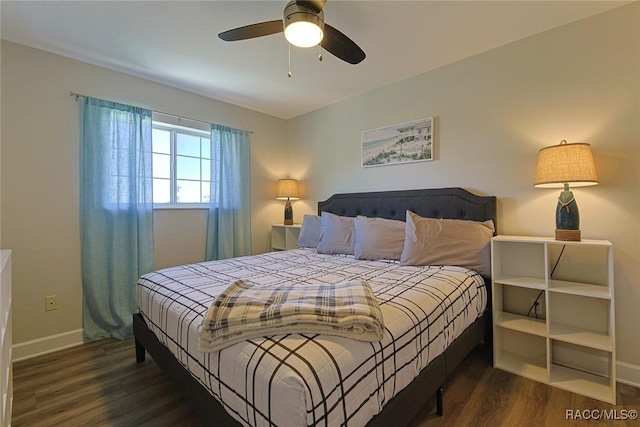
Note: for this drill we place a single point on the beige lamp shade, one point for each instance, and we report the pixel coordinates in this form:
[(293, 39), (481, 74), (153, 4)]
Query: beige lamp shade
[(566, 163), (287, 189)]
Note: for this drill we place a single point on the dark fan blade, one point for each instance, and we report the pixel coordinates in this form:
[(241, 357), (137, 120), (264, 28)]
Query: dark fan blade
[(341, 46), (315, 5), (252, 31)]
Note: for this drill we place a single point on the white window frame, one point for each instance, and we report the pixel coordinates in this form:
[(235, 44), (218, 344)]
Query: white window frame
[(184, 126)]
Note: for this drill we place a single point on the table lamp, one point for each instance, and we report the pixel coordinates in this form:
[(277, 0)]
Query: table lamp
[(558, 167), (288, 190)]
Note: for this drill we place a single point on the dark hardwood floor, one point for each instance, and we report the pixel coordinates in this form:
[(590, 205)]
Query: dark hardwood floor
[(100, 384)]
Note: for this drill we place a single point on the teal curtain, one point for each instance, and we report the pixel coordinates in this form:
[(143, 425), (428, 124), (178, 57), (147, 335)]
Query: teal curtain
[(116, 213), (229, 220)]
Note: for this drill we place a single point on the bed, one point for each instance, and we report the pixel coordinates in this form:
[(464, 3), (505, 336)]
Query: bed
[(391, 382)]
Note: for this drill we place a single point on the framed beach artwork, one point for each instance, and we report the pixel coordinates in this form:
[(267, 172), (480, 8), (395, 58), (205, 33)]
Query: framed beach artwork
[(406, 142)]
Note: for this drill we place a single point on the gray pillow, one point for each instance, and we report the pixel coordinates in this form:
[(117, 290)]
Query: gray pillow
[(430, 241), (378, 238), (336, 234), (309, 232)]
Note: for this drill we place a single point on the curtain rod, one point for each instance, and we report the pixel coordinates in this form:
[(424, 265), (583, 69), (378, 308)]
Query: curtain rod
[(78, 95)]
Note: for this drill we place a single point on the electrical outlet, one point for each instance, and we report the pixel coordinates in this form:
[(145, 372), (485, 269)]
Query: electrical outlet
[(537, 307), (51, 303)]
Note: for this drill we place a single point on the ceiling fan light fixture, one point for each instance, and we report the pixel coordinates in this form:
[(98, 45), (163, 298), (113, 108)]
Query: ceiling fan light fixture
[(303, 34), (303, 27)]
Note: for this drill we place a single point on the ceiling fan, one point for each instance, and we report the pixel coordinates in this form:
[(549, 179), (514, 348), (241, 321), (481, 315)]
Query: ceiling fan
[(303, 25)]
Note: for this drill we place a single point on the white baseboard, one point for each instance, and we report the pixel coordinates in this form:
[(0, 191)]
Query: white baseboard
[(28, 349), (628, 374)]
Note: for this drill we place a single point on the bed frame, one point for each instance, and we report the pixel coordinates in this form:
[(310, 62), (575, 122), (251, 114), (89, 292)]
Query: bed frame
[(451, 203)]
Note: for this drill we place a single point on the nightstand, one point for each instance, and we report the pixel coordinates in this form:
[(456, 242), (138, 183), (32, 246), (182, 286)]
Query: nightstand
[(567, 338), (284, 237)]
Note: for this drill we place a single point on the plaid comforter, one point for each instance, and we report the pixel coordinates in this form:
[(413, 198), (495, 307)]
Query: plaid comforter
[(311, 379), (249, 310)]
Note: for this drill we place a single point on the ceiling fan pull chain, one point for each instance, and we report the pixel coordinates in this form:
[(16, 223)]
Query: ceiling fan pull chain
[(289, 73), (320, 55)]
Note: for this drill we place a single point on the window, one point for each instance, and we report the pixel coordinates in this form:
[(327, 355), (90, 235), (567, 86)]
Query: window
[(181, 164)]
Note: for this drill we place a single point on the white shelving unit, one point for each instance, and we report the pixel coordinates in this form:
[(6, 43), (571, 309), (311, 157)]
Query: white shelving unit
[(6, 360), (284, 237), (569, 341)]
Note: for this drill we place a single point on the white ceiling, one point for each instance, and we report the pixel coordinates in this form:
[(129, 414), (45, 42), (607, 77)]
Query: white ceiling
[(176, 43)]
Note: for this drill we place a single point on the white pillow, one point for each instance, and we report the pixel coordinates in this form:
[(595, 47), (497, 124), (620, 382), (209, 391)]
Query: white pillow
[(336, 234), (430, 241), (309, 232), (378, 238)]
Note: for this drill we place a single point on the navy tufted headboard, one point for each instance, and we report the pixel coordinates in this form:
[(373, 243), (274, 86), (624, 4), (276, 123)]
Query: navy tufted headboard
[(450, 203)]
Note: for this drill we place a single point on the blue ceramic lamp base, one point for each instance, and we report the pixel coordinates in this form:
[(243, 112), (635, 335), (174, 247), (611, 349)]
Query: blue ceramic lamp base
[(567, 217)]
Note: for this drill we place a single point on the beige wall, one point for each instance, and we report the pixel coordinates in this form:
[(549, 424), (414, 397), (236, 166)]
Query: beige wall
[(40, 172), (493, 112)]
